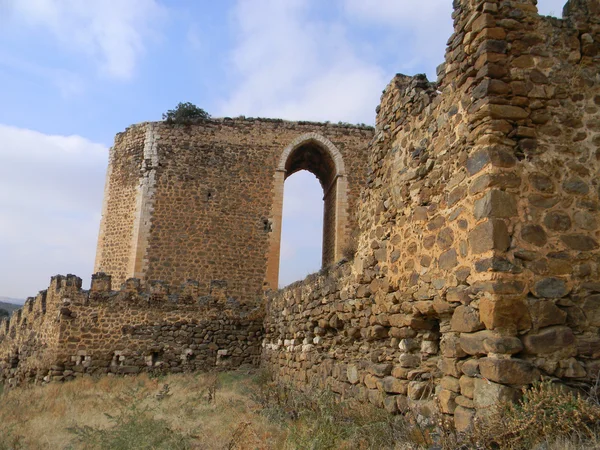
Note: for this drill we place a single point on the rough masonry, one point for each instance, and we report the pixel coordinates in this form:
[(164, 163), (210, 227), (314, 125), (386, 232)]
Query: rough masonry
[(203, 201), (478, 265), (475, 208)]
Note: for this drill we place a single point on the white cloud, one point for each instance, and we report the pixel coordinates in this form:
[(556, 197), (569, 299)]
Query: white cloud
[(292, 66), (417, 30), (111, 32), (50, 197)]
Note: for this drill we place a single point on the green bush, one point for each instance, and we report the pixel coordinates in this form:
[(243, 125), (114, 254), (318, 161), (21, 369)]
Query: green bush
[(4, 313), (184, 113)]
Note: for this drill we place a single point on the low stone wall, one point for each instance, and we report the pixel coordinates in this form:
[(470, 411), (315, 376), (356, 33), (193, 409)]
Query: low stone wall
[(66, 331)]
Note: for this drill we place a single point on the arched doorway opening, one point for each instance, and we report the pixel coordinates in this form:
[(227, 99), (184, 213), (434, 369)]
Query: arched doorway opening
[(301, 227), (318, 155)]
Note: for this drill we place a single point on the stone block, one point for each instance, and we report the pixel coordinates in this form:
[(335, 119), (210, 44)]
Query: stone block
[(550, 288), (465, 319), (487, 393), (353, 374), (463, 419), (393, 385), (550, 340), (489, 235), (508, 371), (467, 384), (495, 204), (591, 309), (504, 313), (447, 401)]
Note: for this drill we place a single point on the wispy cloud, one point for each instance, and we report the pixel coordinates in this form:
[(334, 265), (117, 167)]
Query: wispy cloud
[(50, 197), (290, 64), (111, 32)]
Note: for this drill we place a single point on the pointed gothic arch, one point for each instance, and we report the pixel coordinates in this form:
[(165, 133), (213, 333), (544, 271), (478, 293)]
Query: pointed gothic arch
[(318, 155)]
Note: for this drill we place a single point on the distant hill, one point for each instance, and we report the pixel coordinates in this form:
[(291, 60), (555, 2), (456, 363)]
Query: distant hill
[(10, 304)]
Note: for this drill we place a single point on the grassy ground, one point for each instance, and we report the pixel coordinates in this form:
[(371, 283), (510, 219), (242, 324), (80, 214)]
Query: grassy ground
[(245, 410), (172, 412), (235, 410)]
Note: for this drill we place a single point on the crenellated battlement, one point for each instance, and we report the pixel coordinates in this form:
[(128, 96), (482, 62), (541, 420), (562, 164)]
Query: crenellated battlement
[(66, 331)]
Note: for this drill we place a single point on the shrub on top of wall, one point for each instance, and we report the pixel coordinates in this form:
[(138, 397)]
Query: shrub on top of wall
[(185, 112)]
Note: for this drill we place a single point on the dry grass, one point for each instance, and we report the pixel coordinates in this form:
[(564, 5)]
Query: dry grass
[(195, 411), (246, 410), (548, 417)]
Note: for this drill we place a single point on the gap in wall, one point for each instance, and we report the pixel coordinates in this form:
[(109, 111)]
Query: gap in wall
[(301, 228)]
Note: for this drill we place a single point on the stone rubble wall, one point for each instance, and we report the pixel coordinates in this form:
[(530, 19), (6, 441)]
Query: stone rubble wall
[(478, 266), (67, 332)]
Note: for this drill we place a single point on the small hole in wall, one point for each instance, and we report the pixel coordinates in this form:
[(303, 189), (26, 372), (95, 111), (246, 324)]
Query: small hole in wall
[(267, 225), (208, 196), (154, 358)]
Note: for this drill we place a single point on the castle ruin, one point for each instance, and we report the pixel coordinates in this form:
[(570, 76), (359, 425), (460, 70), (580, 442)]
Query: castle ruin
[(475, 204)]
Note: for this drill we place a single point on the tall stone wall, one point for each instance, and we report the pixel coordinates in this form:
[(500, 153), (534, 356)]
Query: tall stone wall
[(478, 269), (206, 199), (67, 332)]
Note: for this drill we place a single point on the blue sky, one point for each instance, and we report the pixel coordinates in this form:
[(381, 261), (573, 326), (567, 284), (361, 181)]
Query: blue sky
[(73, 73)]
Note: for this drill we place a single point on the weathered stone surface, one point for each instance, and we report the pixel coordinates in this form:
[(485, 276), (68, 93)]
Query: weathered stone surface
[(549, 340), (489, 235), (495, 204), (484, 342), (534, 234), (508, 371), (465, 319), (591, 309), (580, 242), (557, 221), (545, 313), (486, 393), (450, 383), (550, 288), (352, 374), (419, 390), (394, 385), (467, 385), (447, 401), (504, 313), (463, 419)]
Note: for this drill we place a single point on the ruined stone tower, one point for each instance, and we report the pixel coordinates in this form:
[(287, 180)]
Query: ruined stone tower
[(204, 201), (477, 271)]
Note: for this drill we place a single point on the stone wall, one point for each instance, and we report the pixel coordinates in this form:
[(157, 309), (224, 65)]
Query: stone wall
[(67, 332), (478, 267), (203, 200)]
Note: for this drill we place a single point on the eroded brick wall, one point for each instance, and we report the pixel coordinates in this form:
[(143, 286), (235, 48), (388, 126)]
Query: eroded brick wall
[(206, 199), (67, 332), (477, 271)]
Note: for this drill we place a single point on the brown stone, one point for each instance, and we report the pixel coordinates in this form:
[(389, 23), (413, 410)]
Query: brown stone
[(534, 234), (508, 371), (580, 242), (486, 393), (393, 385), (489, 235), (467, 384), (447, 401), (465, 319), (463, 419), (591, 309), (550, 288), (557, 221), (545, 313), (496, 204), (504, 313)]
